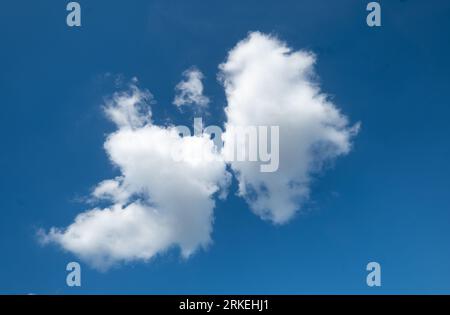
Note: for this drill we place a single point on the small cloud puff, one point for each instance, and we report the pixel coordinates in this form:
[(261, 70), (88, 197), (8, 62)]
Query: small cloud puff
[(190, 90)]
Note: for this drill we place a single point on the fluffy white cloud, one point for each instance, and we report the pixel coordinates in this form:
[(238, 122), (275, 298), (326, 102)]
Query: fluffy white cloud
[(129, 109), (162, 200), (190, 90), (267, 83), (157, 202)]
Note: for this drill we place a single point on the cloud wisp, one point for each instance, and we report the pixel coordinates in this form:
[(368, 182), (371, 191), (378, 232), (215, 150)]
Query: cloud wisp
[(189, 92)]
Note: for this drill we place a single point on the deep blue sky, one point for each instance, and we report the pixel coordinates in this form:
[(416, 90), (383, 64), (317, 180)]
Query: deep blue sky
[(387, 201)]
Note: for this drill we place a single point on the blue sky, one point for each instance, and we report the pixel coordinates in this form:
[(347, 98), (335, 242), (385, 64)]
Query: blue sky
[(386, 201)]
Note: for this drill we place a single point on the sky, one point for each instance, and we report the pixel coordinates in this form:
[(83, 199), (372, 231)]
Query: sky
[(384, 198)]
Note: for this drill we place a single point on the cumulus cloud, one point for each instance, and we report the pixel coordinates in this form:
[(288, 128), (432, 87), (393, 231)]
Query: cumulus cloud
[(190, 90), (161, 200), (267, 83), (156, 203)]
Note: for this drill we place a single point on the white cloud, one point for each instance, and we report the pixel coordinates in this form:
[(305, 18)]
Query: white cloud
[(157, 203), (129, 108), (267, 83), (190, 90)]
